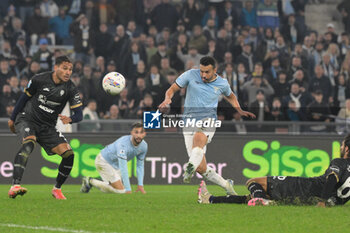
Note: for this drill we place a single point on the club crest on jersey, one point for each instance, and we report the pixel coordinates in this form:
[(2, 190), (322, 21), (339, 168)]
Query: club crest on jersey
[(216, 89), (61, 92)]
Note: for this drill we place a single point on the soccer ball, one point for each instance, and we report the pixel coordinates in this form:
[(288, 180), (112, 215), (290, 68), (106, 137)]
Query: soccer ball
[(113, 83)]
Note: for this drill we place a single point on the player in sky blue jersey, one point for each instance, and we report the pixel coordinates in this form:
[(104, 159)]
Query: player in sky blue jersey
[(204, 87), (111, 163)]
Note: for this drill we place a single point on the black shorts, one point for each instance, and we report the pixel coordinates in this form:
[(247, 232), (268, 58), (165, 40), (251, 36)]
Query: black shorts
[(294, 190), (47, 136)]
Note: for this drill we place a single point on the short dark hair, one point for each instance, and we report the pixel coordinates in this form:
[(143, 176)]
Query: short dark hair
[(61, 59), (136, 125), (208, 60)]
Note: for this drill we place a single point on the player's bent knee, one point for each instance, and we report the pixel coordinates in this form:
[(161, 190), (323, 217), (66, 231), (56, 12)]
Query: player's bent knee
[(27, 147), (67, 154)]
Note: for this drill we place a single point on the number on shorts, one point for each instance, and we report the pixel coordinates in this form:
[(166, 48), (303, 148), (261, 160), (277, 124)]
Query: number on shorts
[(340, 190)]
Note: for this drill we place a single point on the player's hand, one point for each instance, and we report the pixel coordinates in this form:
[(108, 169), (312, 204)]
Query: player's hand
[(165, 104), (11, 125), (247, 114), (65, 120), (140, 189), (128, 192), (321, 204)]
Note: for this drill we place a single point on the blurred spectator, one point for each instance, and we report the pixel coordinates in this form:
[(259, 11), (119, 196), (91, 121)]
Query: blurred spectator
[(151, 49), (105, 12), (20, 51), (125, 105), (277, 113), (344, 45), (232, 79), (60, 26), (101, 64), (75, 8), (191, 13), (198, 40), (7, 96), (120, 44), (5, 72), (23, 83), (291, 31), (321, 82), (329, 70), (280, 85), (164, 36), (43, 55), (251, 87), (331, 31), (89, 113), (37, 26), (103, 42), (300, 99), (176, 102), (146, 104), (344, 9), (333, 52), (113, 113), (260, 108), (155, 83), (209, 29), (91, 13), (273, 71), (228, 12), (294, 113), (132, 30), (164, 15), (267, 14), (84, 39), (247, 58), (161, 52), (299, 77), (49, 9), (341, 92), (210, 14), (140, 72), (31, 70), (137, 93), (131, 58), (165, 67), (15, 90), (192, 55), (248, 15), (17, 31), (14, 67), (343, 118), (318, 110)]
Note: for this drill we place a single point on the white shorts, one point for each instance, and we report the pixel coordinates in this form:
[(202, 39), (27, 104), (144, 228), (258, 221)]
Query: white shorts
[(189, 133), (107, 172)]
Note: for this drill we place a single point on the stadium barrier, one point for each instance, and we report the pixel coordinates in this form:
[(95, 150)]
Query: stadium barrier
[(239, 157)]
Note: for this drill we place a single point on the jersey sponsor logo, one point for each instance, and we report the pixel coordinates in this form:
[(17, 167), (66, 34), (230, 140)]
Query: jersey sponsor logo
[(46, 109), (43, 99)]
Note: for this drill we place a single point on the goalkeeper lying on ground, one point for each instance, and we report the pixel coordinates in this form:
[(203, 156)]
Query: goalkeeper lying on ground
[(332, 188)]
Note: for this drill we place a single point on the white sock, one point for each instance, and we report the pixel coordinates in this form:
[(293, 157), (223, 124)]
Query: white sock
[(214, 177), (105, 187), (196, 157)]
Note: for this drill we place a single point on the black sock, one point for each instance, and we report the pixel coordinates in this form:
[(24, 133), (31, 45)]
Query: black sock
[(229, 199), (256, 190), (21, 159), (64, 170)]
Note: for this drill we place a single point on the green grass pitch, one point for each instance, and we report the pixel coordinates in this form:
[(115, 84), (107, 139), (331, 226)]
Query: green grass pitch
[(165, 208)]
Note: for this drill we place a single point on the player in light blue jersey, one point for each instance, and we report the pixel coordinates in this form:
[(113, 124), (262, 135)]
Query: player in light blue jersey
[(204, 87), (111, 163)]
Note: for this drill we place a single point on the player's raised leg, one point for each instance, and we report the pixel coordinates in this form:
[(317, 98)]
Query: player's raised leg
[(196, 155), (64, 168), (20, 163)]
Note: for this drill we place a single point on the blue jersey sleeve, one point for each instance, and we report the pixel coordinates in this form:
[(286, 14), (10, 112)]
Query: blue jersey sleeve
[(227, 90), (183, 79)]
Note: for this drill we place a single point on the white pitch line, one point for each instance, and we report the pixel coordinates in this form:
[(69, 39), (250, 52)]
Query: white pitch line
[(47, 228)]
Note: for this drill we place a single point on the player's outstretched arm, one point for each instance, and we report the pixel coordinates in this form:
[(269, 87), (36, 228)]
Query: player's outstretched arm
[(169, 95), (76, 117), (232, 99)]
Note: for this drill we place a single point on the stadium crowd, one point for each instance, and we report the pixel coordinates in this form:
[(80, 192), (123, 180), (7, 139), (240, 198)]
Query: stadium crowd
[(280, 69)]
